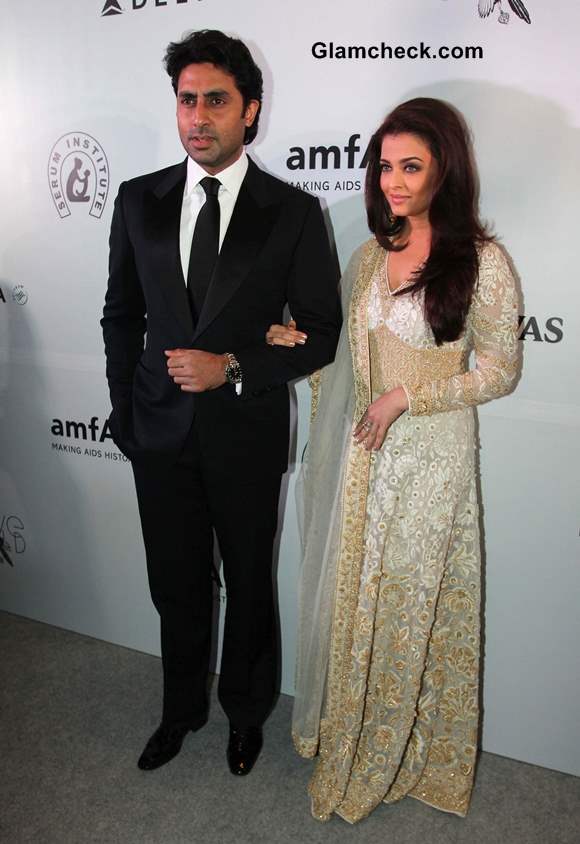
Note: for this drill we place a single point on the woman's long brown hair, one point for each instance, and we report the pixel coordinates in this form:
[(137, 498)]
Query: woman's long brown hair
[(450, 272)]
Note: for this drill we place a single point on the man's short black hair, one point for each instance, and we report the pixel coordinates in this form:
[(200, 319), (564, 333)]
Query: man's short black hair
[(229, 54)]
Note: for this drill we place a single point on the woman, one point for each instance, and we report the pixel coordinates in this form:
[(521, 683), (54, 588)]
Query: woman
[(388, 657)]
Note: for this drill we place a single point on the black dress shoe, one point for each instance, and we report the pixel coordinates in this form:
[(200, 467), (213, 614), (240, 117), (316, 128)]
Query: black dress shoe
[(243, 749), (164, 744)]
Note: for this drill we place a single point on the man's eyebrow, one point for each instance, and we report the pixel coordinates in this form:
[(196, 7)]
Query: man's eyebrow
[(218, 92)]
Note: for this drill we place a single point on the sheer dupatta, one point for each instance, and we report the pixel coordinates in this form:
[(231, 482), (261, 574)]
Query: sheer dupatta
[(327, 472)]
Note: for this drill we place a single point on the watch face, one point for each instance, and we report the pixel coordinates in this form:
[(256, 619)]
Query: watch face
[(233, 372)]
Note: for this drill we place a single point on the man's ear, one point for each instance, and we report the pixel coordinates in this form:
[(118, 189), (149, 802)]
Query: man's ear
[(251, 111)]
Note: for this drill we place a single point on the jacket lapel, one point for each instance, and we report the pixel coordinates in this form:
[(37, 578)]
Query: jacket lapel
[(254, 215), (164, 217)]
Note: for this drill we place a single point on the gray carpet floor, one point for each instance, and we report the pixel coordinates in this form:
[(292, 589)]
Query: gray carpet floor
[(75, 713)]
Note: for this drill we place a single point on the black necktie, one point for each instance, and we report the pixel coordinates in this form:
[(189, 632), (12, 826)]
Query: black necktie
[(204, 246)]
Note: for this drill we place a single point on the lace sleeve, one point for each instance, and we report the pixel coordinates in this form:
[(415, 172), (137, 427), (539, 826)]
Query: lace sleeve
[(493, 322)]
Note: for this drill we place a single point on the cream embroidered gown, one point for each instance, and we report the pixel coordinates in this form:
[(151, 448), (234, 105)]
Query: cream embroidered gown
[(398, 677)]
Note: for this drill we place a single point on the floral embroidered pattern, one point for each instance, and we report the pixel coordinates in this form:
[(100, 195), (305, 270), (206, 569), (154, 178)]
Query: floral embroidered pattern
[(401, 709)]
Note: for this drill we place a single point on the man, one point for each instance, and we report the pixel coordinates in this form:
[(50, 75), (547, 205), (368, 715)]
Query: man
[(204, 256)]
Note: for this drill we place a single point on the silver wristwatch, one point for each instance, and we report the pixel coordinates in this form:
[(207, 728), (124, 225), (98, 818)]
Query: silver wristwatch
[(233, 370)]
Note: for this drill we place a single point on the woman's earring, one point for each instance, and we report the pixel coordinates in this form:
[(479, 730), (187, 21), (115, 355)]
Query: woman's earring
[(390, 216)]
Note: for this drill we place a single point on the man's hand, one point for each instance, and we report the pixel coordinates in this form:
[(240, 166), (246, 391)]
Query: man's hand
[(195, 371)]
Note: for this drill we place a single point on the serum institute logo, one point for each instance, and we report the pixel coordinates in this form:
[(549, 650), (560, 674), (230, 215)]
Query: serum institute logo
[(111, 8), (78, 174), (12, 541)]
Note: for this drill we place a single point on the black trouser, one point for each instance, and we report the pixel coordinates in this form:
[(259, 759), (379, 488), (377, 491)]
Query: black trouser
[(180, 505)]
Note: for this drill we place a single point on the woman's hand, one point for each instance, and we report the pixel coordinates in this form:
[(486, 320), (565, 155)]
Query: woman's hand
[(285, 335), (378, 418)]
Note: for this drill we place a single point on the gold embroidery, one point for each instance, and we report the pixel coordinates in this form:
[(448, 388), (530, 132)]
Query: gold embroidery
[(314, 381), (401, 707), (491, 328), (306, 748), (396, 363), (355, 493), (327, 787), (469, 391)]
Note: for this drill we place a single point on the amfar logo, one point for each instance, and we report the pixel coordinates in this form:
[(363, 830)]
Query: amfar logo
[(331, 157), (72, 429), (325, 157), (19, 295), (92, 431), (113, 7), (11, 538), (78, 174)]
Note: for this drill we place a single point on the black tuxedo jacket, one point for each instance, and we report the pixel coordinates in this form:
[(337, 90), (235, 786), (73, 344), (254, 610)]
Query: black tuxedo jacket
[(275, 251)]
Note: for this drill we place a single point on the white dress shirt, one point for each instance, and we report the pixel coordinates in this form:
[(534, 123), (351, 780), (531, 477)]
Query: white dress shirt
[(194, 197)]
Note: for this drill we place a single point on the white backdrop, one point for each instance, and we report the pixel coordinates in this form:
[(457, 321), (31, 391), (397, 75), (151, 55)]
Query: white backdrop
[(71, 75)]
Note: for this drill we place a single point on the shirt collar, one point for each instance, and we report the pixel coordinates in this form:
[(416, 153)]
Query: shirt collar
[(231, 177)]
